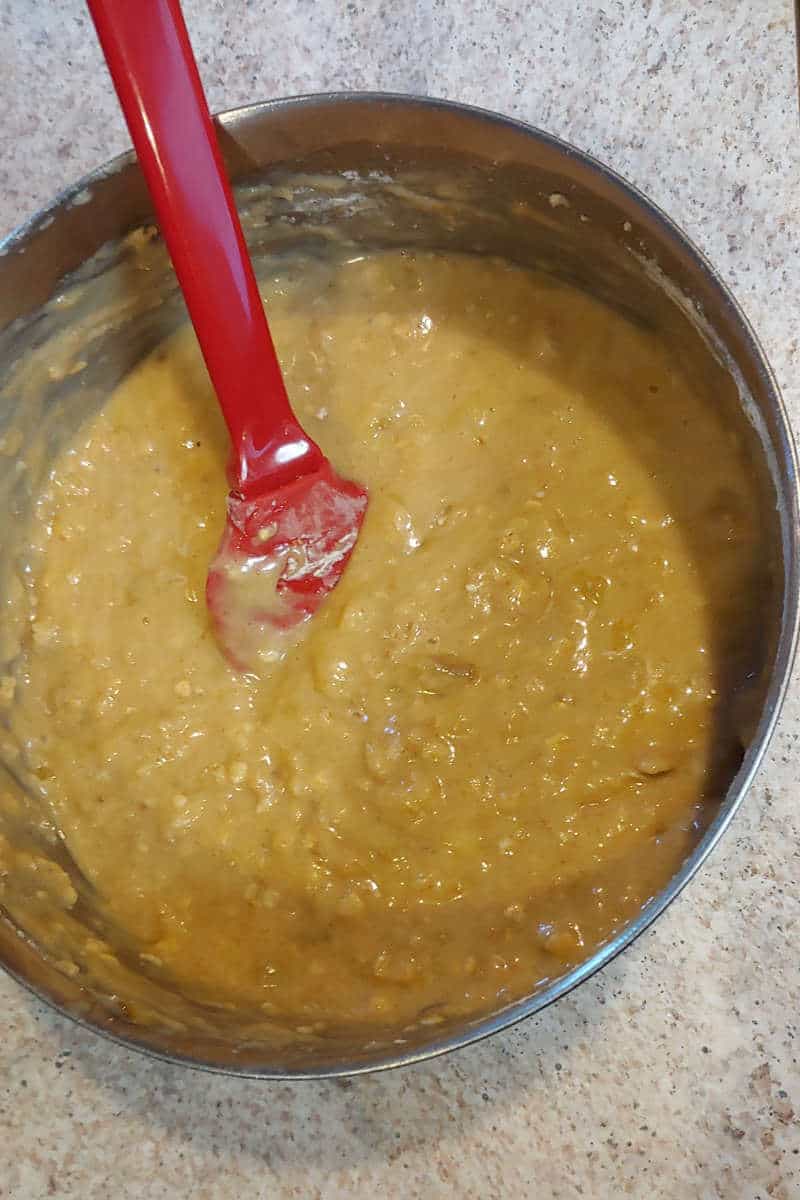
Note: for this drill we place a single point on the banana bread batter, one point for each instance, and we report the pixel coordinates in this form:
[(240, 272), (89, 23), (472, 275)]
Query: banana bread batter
[(500, 735)]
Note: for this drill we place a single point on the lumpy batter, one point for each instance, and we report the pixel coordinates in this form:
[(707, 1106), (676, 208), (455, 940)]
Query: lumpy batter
[(500, 735)]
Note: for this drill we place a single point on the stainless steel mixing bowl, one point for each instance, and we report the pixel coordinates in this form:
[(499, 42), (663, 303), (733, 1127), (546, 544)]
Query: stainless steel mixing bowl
[(401, 172)]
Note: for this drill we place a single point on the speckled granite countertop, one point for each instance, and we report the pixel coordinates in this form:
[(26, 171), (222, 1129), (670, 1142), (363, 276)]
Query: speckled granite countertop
[(675, 1073)]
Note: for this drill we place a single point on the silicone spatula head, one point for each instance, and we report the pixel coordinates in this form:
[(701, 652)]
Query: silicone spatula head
[(282, 552)]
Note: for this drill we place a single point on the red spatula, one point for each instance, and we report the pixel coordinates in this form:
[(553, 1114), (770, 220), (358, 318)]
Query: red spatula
[(292, 521)]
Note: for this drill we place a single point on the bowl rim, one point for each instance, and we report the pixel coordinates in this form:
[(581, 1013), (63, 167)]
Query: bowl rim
[(785, 649)]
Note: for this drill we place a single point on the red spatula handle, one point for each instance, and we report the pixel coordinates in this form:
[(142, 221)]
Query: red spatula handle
[(151, 63)]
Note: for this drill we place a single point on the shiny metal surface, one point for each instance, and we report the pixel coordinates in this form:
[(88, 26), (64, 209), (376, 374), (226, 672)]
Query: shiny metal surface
[(509, 190)]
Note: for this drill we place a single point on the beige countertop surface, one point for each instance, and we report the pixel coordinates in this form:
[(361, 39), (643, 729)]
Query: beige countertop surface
[(675, 1072)]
